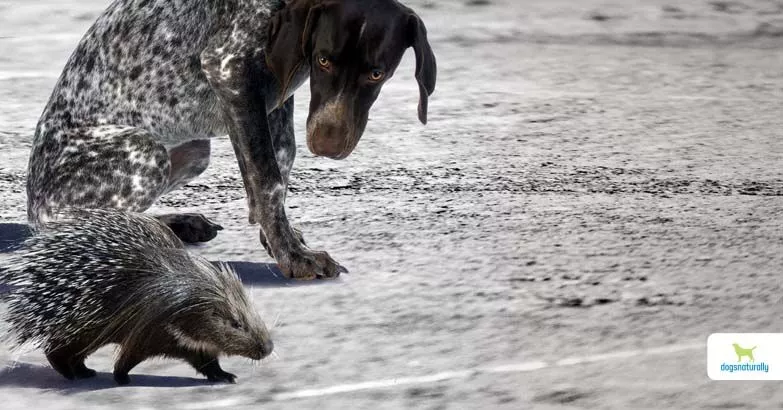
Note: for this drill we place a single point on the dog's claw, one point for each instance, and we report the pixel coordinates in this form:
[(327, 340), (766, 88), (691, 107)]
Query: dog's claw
[(309, 265), (301, 263)]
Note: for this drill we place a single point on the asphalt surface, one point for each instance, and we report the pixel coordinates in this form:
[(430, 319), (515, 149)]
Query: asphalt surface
[(597, 181)]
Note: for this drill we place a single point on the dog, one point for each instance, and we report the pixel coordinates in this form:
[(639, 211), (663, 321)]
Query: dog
[(132, 114), (744, 352)]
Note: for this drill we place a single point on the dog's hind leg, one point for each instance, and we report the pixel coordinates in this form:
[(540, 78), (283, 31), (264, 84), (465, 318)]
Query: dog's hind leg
[(94, 167), (102, 167), (190, 227), (187, 161)]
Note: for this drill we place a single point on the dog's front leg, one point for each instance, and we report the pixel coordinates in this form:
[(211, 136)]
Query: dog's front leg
[(241, 85)]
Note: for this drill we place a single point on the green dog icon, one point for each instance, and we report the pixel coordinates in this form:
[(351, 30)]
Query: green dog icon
[(744, 352)]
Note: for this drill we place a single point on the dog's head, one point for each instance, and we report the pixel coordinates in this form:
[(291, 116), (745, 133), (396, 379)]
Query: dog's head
[(350, 48)]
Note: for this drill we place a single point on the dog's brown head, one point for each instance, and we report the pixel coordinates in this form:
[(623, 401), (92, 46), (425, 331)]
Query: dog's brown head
[(350, 48)]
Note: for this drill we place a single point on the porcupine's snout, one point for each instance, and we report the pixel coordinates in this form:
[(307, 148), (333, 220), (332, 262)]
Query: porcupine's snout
[(264, 345), (258, 342), (265, 348)]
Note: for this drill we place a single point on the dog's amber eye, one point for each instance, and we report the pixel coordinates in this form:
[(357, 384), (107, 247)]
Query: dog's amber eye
[(324, 62), (377, 75)]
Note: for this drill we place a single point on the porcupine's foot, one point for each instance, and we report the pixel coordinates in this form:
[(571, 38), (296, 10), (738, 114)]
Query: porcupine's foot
[(83, 372), (220, 375), (121, 378), (125, 363), (60, 361), (68, 360), (209, 366), (191, 228)]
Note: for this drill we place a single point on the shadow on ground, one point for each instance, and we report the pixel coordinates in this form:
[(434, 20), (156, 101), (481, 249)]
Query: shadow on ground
[(269, 275), (34, 376), (255, 274), (12, 235)]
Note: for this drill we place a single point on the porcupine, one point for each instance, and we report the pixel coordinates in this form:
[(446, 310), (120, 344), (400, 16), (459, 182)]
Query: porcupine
[(105, 276)]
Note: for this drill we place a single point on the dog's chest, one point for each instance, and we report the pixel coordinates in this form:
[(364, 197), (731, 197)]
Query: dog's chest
[(273, 86), (299, 78)]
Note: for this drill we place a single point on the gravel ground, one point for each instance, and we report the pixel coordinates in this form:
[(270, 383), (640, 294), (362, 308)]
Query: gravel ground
[(597, 178)]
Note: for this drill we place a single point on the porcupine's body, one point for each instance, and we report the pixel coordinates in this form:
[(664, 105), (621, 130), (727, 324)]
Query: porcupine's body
[(106, 276)]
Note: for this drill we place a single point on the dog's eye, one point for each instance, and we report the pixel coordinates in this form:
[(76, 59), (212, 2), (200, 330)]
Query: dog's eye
[(377, 75), (324, 62), (236, 325)]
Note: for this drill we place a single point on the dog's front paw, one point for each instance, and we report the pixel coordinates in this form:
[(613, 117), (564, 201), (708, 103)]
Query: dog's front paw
[(297, 235), (309, 265)]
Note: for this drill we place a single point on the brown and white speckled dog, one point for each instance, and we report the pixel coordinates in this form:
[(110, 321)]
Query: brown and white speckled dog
[(152, 80)]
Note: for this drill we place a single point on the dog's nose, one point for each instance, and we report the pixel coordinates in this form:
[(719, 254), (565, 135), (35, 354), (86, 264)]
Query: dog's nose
[(329, 140)]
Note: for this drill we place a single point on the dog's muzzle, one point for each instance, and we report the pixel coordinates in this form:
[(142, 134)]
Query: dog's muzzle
[(331, 132)]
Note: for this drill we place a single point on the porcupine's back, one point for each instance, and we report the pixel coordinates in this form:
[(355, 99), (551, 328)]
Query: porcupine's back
[(78, 274)]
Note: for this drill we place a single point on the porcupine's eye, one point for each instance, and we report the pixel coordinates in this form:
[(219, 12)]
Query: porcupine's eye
[(236, 324)]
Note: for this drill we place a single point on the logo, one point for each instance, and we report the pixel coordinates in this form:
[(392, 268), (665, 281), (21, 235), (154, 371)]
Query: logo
[(745, 356), (749, 366), (744, 352)]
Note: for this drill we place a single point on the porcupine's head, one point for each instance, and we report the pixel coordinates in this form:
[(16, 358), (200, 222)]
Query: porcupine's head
[(218, 316)]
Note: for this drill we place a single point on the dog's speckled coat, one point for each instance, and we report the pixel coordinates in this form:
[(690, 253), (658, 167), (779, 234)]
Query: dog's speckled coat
[(134, 89), (153, 80)]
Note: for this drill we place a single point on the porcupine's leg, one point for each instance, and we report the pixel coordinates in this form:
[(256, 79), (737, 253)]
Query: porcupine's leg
[(209, 366), (125, 363), (113, 167), (80, 350), (80, 370), (60, 359), (68, 359)]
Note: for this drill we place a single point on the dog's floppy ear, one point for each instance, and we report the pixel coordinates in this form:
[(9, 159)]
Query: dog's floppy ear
[(426, 67), (288, 40)]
